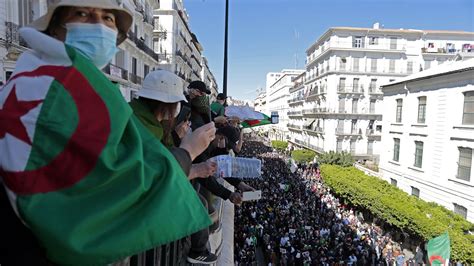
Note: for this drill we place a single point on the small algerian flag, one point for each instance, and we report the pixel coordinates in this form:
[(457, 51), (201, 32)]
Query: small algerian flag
[(439, 250), (88, 179), (255, 123)]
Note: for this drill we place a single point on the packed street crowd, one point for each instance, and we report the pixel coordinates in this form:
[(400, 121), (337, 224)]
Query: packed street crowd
[(299, 222)]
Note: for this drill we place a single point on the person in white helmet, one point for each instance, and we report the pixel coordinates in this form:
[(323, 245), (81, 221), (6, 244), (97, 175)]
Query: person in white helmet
[(157, 106)]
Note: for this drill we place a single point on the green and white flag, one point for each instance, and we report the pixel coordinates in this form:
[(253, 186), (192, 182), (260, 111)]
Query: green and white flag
[(439, 250), (82, 172)]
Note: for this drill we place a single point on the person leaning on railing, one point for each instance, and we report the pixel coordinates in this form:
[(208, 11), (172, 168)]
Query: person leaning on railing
[(82, 173), (158, 105)]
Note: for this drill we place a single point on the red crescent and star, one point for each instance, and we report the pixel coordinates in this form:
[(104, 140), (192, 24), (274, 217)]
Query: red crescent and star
[(81, 152), (12, 111)]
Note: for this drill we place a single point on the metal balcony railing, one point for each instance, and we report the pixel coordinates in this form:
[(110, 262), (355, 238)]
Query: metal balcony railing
[(373, 90), (135, 78), (353, 132), (292, 126), (372, 132), (315, 110), (140, 43), (295, 100), (354, 88), (12, 36), (295, 113), (309, 145), (148, 19), (170, 254), (318, 130)]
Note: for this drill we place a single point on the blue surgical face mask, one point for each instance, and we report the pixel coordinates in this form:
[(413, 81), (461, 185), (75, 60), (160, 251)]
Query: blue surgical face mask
[(96, 41)]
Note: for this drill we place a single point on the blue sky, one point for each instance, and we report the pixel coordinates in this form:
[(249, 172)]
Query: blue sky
[(262, 32)]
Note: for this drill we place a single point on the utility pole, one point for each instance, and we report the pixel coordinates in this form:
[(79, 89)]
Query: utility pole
[(224, 81)]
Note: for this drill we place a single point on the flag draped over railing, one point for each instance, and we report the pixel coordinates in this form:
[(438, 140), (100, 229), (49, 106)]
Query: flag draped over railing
[(84, 174)]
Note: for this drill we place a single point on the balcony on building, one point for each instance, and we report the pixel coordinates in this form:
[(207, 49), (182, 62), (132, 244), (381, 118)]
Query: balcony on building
[(294, 127), (352, 90), (354, 132), (339, 114), (373, 134), (308, 145), (315, 131), (362, 43), (140, 43), (296, 101), (116, 72), (375, 93), (135, 78), (295, 114), (316, 93), (449, 49), (12, 36)]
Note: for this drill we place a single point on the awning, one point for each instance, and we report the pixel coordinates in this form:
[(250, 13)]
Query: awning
[(309, 122)]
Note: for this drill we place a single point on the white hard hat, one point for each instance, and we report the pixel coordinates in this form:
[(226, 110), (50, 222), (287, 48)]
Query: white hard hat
[(163, 86)]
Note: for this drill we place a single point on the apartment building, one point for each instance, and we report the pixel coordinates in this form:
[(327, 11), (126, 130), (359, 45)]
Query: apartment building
[(296, 126), (428, 135), (344, 70), (278, 93), (177, 46), (130, 65)]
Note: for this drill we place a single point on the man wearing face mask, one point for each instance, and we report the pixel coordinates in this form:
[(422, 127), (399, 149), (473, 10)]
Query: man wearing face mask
[(79, 168), (157, 106)]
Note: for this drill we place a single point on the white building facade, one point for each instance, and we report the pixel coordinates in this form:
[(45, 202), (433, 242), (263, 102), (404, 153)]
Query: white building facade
[(130, 65), (344, 70), (428, 136), (137, 55), (176, 45), (260, 103), (135, 58), (13, 15), (296, 125), (277, 100)]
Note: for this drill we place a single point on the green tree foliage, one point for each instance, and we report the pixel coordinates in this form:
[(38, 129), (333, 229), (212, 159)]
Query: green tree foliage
[(338, 158), (279, 145), (397, 208), (303, 156)]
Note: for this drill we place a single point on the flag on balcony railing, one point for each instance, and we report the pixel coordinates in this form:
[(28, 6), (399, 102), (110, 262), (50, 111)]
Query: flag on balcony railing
[(85, 176), (255, 123), (248, 116), (439, 250)]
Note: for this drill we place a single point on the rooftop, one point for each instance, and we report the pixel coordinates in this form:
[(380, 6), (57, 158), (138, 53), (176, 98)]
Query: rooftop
[(446, 68)]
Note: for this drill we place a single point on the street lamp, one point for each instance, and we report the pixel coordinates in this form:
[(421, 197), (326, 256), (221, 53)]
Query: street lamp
[(224, 81)]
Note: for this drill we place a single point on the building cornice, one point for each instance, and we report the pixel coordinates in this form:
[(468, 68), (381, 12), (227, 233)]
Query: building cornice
[(395, 84), (368, 31)]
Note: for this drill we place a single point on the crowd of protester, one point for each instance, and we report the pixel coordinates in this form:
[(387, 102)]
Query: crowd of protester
[(298, 221)]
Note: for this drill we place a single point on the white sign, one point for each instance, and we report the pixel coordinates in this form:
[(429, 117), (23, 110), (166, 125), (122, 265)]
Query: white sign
[(115, 71), (251, 195)]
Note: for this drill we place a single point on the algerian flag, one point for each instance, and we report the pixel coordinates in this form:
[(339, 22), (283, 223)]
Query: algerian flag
[(256, 122), (439, 250), (82, 172)]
